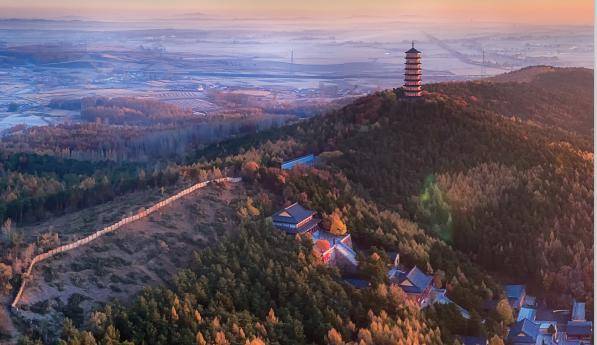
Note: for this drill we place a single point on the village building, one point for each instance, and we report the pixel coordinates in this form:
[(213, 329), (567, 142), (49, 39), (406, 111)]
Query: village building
[(307, 160), (415, 283)]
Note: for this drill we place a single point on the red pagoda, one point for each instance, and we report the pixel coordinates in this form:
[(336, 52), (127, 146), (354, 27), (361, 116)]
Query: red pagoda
[(412, 73)]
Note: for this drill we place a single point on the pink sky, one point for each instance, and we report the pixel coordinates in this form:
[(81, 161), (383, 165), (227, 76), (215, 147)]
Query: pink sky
[(571, 12)]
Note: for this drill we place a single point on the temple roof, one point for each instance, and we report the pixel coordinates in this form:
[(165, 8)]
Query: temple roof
[(579, 328), (292, 214), (514, 291), (415, 281), (525, 331)]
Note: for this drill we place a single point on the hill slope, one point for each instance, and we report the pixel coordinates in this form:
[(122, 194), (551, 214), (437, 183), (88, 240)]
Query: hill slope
[(549, 96), (517, 198)]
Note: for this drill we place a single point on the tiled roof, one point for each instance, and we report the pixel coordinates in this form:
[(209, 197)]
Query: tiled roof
[(578, 311), (412, 50), (326, 235), (308, 226), (292, 214), (415, 281), (514, 291), (584, 328), (526, 313), (347, 253), (523, 332)]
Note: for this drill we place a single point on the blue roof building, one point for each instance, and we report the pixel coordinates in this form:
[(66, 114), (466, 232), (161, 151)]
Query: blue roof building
[(581, 331), (523, 332), (516, 295), (308, 160), (415, 281), (526, 313), (419, 286), (416, 284), (295, 219), (578, 311)]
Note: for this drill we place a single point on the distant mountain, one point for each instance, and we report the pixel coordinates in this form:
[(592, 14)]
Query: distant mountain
[(549, 96)]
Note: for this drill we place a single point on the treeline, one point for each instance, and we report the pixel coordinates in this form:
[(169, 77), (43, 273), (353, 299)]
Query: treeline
[(125, 143), (130, 110), (34, 187)]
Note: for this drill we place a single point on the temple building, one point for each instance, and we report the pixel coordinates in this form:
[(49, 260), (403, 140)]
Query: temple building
[(412, 73), (418, 286), (334, 250), (295, 219)]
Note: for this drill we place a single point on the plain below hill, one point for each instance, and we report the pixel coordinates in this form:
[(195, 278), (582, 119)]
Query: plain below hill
[(548, 96)]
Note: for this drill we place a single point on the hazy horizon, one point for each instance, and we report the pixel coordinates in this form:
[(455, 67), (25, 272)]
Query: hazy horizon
[(534, 12)]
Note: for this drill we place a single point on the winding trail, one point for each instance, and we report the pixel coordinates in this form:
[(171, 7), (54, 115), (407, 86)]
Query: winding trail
[(139, 215)]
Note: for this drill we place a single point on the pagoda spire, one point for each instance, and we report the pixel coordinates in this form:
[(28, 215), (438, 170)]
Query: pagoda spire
[(412, 73)]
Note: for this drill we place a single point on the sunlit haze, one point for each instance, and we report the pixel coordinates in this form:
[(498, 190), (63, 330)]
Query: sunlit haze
[(545, 12)]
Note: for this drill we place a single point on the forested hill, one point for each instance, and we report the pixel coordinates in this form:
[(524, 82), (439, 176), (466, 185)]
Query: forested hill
[(517, 198), (548, 96), (447, 185)]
